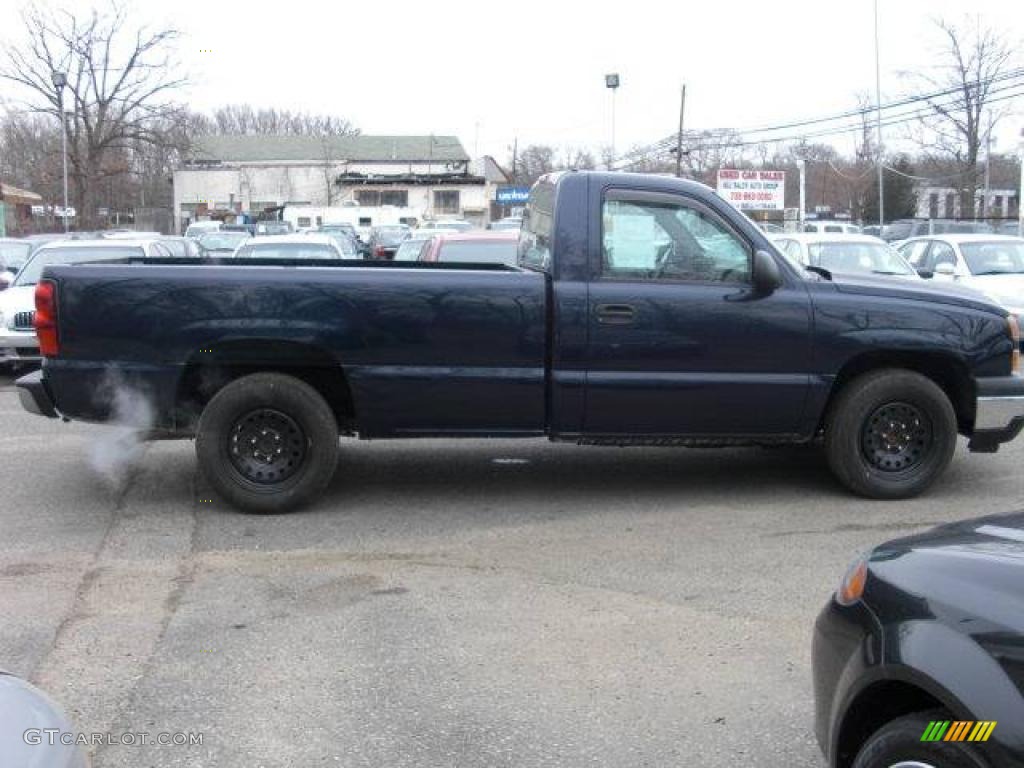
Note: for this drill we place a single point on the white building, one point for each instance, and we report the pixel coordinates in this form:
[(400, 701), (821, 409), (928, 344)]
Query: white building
[(431, 176), (949, 203)]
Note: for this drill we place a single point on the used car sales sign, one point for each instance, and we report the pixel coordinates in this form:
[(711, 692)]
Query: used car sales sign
[(753, 190)]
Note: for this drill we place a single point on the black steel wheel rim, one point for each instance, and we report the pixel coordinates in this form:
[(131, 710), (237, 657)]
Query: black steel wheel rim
[(266, 447), (897, 437)]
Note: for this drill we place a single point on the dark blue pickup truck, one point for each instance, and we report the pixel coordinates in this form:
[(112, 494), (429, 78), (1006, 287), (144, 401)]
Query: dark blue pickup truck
[(645, 310)]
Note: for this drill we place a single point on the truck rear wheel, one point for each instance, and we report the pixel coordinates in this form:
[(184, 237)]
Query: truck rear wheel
[(267, 443), (890, 433)]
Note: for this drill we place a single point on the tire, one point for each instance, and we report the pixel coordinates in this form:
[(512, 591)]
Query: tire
[(899, 743), (267, 443), (891, 404)]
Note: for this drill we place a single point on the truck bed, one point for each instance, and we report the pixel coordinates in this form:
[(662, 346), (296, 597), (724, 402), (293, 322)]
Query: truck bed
[(426, 349)]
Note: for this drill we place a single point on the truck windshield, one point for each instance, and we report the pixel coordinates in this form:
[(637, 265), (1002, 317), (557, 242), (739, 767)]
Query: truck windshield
[(48, 257), (994, 258), (848, 257)]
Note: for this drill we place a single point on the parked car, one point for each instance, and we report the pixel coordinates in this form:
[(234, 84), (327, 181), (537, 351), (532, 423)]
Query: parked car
[(832, 227), (341, 227), (845, 254), (384, 241), (128, 234), (904, 229), (346, 238), (481, 247), (18, 341), (200, 228), (264, 228), (509, 222), (221, 243), (456, 225), (181, 247), (411, 249), (249, 229), (992, 264), (645, 310), (31, 725), (917, 658), (874, 230), (308, 246)]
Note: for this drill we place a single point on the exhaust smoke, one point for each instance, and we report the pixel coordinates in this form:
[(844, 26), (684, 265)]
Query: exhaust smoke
[(121, 443)]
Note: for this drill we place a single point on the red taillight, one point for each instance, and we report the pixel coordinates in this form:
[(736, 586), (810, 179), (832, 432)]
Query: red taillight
[(378, 251), (46, 318)]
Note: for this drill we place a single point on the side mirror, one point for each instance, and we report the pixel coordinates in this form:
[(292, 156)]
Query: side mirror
[(945, 269), (766, 275)]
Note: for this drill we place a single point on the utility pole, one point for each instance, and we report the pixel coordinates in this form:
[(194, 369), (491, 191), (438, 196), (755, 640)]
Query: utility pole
[(679, 138), (878, 126), (988, 170), (515, 153), (802, 165), (1020, 192)]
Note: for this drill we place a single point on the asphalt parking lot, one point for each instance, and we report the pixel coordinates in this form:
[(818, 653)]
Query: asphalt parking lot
[(446, 604)]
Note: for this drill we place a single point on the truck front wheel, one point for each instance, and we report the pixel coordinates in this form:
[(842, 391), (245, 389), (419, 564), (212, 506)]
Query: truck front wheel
[(890, 433), (267, 443)]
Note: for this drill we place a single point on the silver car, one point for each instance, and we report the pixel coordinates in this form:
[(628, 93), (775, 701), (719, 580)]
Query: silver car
[(29, 722)]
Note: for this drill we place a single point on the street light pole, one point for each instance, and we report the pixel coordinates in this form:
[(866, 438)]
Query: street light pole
[(878, 127), (60, 80), (611, 81)]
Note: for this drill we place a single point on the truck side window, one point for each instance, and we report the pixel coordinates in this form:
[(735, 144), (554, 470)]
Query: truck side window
[(645, 240), (535, 233)]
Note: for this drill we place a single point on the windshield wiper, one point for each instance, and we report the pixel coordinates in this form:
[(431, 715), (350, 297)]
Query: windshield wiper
[(998, 272), (884, 272)]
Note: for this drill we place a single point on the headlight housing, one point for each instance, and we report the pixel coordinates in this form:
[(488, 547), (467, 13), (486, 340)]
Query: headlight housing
[(1013, 326)]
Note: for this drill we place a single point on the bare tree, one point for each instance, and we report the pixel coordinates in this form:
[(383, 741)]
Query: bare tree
[(972, 62), (246, 120), (120, 79)]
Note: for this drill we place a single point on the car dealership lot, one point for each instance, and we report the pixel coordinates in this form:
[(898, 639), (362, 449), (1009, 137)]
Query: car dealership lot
[(446, 603)]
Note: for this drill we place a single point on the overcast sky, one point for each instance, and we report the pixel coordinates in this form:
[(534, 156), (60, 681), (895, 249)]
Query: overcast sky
[(489, 72)]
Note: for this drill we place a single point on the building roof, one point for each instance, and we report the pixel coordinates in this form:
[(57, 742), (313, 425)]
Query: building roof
[(338, 149), (18, 196)]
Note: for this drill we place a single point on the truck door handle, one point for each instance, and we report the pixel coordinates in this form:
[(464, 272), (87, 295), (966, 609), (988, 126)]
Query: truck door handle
[(615, 314)]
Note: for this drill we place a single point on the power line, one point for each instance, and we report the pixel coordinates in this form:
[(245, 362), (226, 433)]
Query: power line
[(661, 148), (1012, 75)]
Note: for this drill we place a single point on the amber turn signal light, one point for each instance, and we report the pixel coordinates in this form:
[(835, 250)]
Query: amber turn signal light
[(851, 589)]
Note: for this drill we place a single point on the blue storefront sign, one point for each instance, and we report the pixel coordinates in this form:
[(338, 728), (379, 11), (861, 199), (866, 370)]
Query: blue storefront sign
[(512, 195)]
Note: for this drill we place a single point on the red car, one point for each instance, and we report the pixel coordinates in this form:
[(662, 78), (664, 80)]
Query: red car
[(473, 248)]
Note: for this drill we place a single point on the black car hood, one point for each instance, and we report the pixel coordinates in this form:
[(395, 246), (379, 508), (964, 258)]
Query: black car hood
[(998, 536), (911, 288)]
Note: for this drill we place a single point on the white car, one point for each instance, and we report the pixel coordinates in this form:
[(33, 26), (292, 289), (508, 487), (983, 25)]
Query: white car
[(201, 228), (831, 228), (18, 342), (844, 254), (308, 246), (992, 264)]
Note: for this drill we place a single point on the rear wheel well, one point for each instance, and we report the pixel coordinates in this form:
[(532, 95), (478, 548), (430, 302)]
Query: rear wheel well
[(872, 709), (947, 372), (207, 372)]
